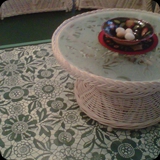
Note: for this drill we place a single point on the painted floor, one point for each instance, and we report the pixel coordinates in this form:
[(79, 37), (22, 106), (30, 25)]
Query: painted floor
[(41, 120)]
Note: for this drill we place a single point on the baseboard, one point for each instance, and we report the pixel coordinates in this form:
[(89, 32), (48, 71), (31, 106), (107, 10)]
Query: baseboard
[(25, 44)]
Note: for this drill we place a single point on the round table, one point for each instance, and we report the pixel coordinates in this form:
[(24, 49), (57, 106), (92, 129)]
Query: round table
[(116, 90)]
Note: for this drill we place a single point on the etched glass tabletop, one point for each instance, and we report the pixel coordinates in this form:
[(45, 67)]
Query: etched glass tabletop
[(77, 42)]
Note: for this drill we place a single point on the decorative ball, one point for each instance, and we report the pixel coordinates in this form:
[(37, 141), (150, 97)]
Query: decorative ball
[(128, 30), (120, 34), (120, 29), (130, 23), (129, 36)]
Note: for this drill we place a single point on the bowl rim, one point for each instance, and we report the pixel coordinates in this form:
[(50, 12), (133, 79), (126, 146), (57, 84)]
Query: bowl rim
[(125, 40)]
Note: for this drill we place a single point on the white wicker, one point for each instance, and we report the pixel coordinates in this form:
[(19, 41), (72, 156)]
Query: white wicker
[(53, 5), (157, 8), (18, 7), (118, 104), (98, 4), (126, 112)]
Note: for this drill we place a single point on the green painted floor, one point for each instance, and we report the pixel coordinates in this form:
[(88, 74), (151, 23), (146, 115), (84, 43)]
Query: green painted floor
[(40, 118), (30, 28)]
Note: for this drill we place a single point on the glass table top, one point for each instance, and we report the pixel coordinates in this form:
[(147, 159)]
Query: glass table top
[(78, 43)]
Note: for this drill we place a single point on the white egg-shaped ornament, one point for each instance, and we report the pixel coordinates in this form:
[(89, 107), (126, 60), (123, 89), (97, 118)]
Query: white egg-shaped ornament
[(120, 29), (129, 36), (128, 30), (120, 34)]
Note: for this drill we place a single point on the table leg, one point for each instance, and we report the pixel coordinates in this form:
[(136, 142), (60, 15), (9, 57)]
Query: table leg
[(117, 112)]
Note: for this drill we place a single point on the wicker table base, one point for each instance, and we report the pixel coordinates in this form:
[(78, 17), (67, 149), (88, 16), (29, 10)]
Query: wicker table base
[(117, 112)]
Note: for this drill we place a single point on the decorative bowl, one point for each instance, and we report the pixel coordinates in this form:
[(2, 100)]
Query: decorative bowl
[(141, 30)]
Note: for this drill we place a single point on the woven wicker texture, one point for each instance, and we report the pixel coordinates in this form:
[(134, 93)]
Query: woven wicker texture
[(53, 5), (136, 4), (157, 8), (18, 7), (117, 112)]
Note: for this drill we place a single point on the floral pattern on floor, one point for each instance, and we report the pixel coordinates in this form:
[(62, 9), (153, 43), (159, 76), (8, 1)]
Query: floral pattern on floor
[(41, 120)]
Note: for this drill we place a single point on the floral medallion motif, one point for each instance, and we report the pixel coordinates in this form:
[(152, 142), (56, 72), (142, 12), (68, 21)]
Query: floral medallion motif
[(16, 94), (48, 89), (19, 128), (23, 149), (57, 105), (126, 150), (41, 53), (45, 73), (64, 137), (71, 117), (12, 67), (16, 109)]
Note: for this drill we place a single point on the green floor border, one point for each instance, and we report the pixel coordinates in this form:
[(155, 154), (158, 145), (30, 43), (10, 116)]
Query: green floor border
[(25, 44)]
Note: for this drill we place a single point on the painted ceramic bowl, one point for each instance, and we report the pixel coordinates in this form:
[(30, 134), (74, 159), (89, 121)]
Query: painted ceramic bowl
[(141, 30)]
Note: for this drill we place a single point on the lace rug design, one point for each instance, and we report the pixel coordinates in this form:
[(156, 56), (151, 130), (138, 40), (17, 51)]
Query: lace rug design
[(41, 120)]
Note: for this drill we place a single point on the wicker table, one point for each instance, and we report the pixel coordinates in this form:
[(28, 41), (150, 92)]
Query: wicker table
[(115, 90)]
